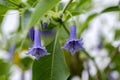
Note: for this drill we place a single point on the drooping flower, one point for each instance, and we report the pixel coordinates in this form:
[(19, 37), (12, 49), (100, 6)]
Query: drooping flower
[(37, 50), (73, 45), (31, 33)]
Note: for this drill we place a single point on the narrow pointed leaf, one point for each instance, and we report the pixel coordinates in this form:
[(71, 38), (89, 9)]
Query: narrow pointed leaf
[(26, 18), (111, 9)]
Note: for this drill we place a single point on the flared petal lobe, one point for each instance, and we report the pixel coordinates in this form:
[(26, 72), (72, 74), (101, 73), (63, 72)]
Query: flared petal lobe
[(73, 46)]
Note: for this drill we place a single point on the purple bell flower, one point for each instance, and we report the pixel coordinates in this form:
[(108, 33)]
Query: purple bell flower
[(73, 45), (37, 50), (31, 33)]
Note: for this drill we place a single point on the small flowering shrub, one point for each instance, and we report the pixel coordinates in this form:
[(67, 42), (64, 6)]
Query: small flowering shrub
[(50, 42)]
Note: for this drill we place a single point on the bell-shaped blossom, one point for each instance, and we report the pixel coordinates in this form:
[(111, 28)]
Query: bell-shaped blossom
[(73, 45), (37, 50)]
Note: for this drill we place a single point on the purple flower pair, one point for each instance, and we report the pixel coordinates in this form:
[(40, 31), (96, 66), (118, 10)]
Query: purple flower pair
[(73, 45), (37, 50)]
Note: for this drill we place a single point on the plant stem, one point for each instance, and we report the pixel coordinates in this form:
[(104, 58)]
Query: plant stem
[(87, 66), (65, 29), (113, 55), (20, 23), (14, 3), (98, 72), (65, 8), (119, 3)]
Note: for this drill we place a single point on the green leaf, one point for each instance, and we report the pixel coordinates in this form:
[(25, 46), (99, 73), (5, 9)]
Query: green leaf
[(3, 10), (15, 1), (3, 77), (32, 2), (3, 2), (117, 35), (15, 4), (79, 6), (110, 9), (116, 60), (82, 2), (109, 47), (26, 62), (42, 7), (51, 67), (4, 68), (26, 18), (84, 5), (63, 35), (75, 13)]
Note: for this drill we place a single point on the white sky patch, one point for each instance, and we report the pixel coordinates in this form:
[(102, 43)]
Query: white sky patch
[(76, 78), (10, 22), (24, 0), (3, 54), (64, 0), (85, 75)]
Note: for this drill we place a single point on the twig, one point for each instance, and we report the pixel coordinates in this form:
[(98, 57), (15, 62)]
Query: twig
[(87, 66), (113, 55), (65, 29), (65, 8), (99, 72), (119, 4), (14, 3)]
